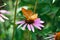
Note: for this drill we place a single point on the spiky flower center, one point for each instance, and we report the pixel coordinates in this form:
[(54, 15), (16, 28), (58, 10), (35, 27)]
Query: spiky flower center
[(29, 21)]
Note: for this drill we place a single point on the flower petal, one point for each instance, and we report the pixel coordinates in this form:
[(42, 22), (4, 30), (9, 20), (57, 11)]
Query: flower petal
[(4, 17), (4, 11), (38, 21), (41, 21), (29, 28), (20, 22), (41, 25), (23, 28), (32, 28), (37, 26), (1, 19), (19, 26)]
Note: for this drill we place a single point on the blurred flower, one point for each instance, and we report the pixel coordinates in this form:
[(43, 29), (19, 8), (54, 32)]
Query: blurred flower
[(2, 17), (50, 37), (31, 24), (3, 5), (4, 12), (31, 21), (53, 1), (57, 36)]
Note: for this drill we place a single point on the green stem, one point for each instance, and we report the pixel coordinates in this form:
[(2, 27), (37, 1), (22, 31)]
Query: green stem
[(29, 35), (35, 5), (15, 19)]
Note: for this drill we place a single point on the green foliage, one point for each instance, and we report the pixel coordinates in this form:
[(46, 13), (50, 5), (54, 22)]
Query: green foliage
[(49, 12)]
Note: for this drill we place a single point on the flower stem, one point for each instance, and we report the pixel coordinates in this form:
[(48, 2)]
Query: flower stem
[(29, 35), (14, 20), (35, 5)]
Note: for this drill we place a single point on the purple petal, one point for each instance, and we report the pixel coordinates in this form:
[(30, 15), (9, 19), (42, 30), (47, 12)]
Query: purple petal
[(1, 19), (38, 21), (37, 26), (4, 11), (41, 21), (41, 25), (4, 17), (20, 22), (29, 28), (23, 28), (19, 26), (32, 28)]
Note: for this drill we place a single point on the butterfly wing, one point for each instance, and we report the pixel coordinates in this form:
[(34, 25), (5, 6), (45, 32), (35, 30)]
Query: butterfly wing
[(34, 16), (27, 13)]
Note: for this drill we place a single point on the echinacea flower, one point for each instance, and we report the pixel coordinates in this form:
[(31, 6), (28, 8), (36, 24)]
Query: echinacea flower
[(50, 37), (57, 36), (31, 21), (2, 17)]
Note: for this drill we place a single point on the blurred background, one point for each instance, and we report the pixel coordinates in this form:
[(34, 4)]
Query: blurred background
[(47, 10)]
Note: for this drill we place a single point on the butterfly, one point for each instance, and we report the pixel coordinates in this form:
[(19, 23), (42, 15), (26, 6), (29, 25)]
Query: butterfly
[(29, 14)]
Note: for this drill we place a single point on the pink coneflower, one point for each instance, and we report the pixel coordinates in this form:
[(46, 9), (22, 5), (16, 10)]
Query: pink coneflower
[(2, 17), (30, 22), (57, 36)]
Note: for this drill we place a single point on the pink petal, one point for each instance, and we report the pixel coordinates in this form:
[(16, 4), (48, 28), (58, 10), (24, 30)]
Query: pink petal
[(29, 28), (41, 25), (32, 28), (1, 19), (37, 26), (4, 17), (38, 21), (41, 21), (23, 28), (19, 26), (20, 22), (4, 11)]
